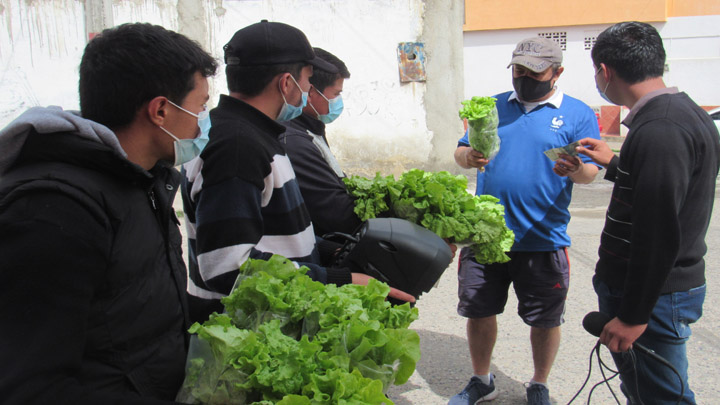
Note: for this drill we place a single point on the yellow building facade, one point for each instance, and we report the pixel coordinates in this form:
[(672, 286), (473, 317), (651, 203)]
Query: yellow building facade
[(512, 14), (688, 27)]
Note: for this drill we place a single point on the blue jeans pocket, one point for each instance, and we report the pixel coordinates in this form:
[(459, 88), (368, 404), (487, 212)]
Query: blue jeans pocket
[(687, 309)]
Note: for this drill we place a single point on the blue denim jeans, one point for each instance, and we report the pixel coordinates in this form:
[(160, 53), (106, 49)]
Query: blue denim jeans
[(667, 332)]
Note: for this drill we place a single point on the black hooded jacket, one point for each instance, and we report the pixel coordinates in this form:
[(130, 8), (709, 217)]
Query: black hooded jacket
[(330, 205), (92, 298)]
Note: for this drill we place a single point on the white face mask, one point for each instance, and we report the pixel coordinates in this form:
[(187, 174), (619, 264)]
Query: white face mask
[(188, 149)]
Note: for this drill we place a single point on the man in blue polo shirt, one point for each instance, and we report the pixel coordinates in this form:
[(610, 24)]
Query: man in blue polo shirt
[(536, 192)]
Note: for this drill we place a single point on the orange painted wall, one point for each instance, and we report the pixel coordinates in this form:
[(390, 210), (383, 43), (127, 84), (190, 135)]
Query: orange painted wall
[(511, 14), (689, 8)]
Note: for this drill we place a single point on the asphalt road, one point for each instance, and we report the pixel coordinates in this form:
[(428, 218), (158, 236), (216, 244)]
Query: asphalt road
[(445, 368)]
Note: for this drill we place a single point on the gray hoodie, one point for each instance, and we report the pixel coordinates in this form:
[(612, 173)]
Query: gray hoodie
[(47, 120)]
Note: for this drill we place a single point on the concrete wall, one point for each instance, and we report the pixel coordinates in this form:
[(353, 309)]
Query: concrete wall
[(692, 45), (387, 125)]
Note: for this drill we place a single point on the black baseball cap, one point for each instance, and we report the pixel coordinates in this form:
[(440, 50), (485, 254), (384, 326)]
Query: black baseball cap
[(272, 43)]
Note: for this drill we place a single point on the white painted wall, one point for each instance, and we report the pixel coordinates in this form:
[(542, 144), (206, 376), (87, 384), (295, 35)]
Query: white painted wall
[(384, 120), (39, 55), (692, 45), (384, 125)]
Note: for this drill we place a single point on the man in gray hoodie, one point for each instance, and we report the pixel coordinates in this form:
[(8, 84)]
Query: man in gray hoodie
[(93, 305)]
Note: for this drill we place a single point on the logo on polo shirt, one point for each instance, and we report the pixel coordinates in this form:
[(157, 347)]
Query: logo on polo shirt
[(557, 122)]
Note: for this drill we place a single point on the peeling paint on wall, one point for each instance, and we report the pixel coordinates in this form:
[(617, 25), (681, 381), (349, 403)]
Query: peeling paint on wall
[(39, 54), (385, 120)]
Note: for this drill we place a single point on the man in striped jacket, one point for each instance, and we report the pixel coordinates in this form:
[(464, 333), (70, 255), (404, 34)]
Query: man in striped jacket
[(240, 195)]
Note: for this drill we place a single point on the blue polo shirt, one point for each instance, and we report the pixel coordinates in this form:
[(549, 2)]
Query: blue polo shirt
[(535, 198)]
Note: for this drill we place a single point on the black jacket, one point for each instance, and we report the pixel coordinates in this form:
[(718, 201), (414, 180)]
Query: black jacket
[(654, 237), (331, 207), (92, 298)]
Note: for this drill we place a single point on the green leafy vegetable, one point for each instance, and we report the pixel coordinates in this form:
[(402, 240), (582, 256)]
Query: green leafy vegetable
[(483, 121), (286, 339), (438, 201)]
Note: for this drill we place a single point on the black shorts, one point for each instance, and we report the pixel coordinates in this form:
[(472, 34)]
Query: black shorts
[(540, 279)]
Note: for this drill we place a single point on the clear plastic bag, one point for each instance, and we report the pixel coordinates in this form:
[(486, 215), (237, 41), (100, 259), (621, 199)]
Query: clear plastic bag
[(208, 378), (483, 135)]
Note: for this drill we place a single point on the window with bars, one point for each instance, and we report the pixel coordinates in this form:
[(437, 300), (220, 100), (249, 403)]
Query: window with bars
[(590, 42), (559, 37)]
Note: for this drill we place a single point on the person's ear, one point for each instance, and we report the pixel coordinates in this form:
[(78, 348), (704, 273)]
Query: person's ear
[(607, 72), (313, 93), (156, 110), (284, 83)]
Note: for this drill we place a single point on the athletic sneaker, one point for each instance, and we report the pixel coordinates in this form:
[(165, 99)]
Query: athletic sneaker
[(475, 392), (537, 394)]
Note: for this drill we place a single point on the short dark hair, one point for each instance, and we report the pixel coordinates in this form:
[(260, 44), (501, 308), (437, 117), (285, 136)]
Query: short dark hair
[(634, 49), (126, 66), (252, 80), (321, 78)]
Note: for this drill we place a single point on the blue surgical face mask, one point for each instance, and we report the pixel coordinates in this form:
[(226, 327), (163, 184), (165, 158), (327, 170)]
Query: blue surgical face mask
[(289, 111), (188, 149), (335, 108), (602, 92)]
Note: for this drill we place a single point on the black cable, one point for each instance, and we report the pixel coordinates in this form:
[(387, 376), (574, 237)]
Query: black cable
[(588, 375), (601, 383), (633, 361), (596, 350), (594, 322), (664, 362), (605, 379)]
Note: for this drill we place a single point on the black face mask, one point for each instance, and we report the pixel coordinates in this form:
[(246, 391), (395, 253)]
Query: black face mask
[(529, 89)]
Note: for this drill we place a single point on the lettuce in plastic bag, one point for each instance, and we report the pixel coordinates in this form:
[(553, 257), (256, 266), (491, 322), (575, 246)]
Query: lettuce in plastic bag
[(482, 116)]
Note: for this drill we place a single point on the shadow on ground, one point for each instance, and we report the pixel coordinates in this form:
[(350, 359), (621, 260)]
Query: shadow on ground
[(446, 378)]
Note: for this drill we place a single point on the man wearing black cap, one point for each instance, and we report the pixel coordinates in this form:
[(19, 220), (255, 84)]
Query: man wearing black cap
[(241, 196), (536, 192)]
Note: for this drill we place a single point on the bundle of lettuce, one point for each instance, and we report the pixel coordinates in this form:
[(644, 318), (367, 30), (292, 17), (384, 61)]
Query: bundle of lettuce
[(438, 201), (482, 117), (286, 339)]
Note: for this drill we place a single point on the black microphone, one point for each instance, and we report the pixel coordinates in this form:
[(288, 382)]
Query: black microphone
[(594, 322)]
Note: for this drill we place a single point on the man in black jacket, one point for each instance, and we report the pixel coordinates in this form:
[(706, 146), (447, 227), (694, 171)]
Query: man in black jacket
[(650, 276), (93, 307), (318, 172)]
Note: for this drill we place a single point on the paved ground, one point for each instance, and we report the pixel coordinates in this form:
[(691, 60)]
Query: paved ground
[(445, 367)]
